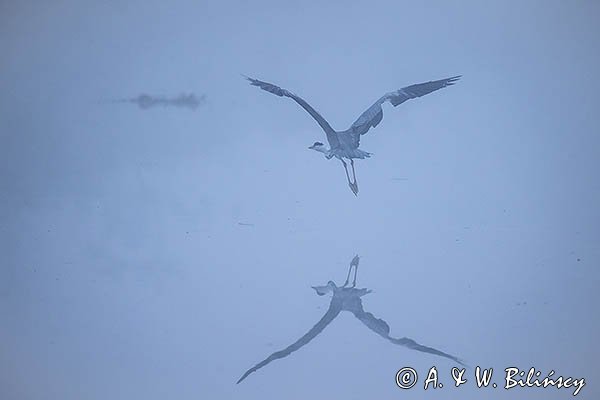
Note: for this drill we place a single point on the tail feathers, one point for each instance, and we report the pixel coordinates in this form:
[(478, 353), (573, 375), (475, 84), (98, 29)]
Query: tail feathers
[(363, 154)]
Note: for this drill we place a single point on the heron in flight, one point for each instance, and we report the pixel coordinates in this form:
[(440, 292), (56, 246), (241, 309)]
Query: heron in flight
[(344, 144), (347, 298)]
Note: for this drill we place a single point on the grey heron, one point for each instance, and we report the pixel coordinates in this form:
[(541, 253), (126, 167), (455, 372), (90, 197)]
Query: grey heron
[(347, 298), (345, 144)]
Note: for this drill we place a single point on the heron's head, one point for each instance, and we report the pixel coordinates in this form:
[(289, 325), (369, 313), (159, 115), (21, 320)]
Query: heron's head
[(318, 146), (323, 290)]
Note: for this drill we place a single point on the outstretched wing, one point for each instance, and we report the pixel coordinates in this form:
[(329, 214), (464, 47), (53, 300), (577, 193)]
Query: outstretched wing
[(411, 344), (276, 90), (374, 114), (381, 327), (377, 325), (334, 309)]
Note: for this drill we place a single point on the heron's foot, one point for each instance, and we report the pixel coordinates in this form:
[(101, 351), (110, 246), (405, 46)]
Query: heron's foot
[(354, 187)]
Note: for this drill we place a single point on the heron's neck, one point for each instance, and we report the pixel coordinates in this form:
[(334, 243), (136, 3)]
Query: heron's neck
[(323, 150)]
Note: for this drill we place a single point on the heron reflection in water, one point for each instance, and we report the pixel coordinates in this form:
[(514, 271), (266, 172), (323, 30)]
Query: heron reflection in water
[(347, 298)]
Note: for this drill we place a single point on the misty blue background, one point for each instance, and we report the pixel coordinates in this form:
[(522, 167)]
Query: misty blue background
[(124, 271)]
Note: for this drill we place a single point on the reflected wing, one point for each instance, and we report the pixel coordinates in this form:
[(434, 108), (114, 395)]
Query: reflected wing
[(374, 114), (380, 327), (334, 309), (411, 344), (377, 325), (276, 90)]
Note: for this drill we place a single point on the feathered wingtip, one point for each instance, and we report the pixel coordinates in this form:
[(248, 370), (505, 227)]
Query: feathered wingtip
[(453, 80), (253, 82), (244, 376), (269, 87)]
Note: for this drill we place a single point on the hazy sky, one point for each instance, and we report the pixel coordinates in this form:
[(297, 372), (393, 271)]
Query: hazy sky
[(125, 272)]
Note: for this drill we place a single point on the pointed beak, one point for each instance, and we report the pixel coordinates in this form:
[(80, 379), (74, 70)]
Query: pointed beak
[(321, 290), (311, 147)]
